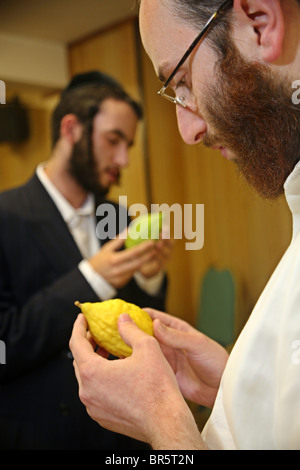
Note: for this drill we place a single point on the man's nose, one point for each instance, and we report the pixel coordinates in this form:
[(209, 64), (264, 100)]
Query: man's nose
[(122, 156), (192, 126)]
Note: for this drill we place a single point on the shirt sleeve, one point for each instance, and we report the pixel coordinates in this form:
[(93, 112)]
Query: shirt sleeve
[(150, 285), (106, 291), (102, 288)]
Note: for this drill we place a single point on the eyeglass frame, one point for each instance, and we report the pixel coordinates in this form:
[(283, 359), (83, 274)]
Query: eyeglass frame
[(210, 22)]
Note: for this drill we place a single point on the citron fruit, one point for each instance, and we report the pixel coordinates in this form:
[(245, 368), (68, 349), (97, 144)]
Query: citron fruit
[(102, 319), (145, 227)]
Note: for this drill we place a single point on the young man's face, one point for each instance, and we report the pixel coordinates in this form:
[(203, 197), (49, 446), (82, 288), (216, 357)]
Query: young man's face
[(237, 106), (96, 161)]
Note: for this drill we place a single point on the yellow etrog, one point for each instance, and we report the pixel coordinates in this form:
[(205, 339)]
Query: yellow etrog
[(102, 319)]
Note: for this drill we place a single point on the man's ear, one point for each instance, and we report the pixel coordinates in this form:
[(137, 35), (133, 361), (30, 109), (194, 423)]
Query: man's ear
[(70, 128), (267, 21)]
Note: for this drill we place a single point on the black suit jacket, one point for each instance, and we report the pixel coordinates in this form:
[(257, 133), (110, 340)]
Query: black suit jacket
[(39, 282)]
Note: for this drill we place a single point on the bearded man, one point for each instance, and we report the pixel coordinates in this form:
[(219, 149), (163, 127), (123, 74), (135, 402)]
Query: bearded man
[(229, 68), (50, 256)]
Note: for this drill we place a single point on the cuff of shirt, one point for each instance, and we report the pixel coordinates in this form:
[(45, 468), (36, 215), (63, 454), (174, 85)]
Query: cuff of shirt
[(150, 285), (100, 286)]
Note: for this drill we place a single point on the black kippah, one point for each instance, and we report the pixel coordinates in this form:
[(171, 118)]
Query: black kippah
[(93, 77)]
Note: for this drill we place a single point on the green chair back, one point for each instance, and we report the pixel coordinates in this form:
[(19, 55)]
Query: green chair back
[(216, 306)]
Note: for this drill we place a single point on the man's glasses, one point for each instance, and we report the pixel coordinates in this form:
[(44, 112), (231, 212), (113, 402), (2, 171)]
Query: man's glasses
[(212, 20)]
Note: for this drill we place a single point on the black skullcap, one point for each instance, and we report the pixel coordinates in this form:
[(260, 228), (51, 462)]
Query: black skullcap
[(92, 77)]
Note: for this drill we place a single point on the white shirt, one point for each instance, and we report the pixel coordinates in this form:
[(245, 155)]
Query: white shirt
[(258, 403), (102, 288)]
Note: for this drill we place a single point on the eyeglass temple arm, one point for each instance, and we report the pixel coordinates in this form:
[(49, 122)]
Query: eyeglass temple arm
[(194, 43)]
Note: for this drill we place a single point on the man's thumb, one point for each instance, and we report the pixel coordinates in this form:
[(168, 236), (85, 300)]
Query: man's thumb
[(128, 330)]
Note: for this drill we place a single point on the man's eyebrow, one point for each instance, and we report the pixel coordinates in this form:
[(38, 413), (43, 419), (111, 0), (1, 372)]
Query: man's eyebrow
[(164, 71), (161, 77), (121, 134)]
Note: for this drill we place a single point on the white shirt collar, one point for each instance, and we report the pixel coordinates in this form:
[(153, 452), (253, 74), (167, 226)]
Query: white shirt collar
[(292, 194), (67, 211)]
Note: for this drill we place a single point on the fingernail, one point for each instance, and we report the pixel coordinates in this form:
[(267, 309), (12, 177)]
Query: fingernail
[(160, 325), (124, 317)]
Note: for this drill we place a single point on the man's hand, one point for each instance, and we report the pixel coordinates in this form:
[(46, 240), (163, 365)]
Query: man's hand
[(161, 255), (197, 361), (137, 396), (118, 267)]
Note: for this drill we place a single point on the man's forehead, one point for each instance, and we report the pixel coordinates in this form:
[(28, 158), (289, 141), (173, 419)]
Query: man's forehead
[(164, 35), (115, 107), (118, 117), (156, 18)]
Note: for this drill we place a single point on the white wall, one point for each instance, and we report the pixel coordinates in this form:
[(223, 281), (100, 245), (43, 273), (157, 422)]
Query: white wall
[(33, 62)]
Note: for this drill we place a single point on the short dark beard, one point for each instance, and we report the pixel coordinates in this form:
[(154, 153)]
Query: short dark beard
[(82, 165), (252, 114)]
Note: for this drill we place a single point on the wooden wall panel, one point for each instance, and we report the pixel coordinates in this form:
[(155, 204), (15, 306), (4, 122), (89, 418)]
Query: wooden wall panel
[(19, 160), (114, 52), (167, 183), (242, 231)]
